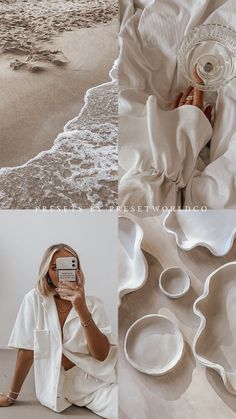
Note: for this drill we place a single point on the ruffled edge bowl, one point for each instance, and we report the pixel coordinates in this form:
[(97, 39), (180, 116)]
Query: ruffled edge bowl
[(214, 248), (137, 283), (204, 361)]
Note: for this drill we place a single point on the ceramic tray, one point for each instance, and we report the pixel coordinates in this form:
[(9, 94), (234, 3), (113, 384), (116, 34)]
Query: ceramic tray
[(211, 229), (133, 269), (215, 342), (154, 345)]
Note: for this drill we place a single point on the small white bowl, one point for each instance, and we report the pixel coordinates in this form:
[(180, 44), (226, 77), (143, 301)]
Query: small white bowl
[(154, 345), (174, 282)]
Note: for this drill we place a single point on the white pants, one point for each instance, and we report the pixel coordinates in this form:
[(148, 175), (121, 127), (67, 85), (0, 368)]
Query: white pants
[(81, 389)]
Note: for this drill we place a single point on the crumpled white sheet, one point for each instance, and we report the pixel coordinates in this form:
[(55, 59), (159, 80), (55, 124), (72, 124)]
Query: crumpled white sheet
[(161, 151)]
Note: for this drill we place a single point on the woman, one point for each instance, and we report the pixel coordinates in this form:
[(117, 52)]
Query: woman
[(67, 337)]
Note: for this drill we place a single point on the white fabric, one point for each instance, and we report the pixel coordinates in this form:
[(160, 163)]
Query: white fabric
[(159, 168), (159, 149), (82, 389), (37, 328)]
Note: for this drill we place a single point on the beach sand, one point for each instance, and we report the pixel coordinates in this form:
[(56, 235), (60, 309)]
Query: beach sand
[(35, 106)]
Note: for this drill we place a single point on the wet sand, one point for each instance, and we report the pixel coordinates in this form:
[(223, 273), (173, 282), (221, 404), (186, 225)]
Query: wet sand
[(34, 107)]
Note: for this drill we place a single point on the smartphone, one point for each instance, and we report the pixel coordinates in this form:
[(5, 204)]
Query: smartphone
[(66, 269)]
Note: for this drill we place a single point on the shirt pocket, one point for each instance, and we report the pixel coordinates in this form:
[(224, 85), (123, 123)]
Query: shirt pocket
[(41, 343)]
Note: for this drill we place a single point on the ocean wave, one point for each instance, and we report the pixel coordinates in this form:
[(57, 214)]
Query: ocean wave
[(81, 169)]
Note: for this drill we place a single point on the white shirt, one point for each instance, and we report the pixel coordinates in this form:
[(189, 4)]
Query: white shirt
[(37, 328)]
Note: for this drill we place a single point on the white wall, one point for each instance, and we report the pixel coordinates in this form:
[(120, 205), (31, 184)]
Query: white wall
[(24, 235)]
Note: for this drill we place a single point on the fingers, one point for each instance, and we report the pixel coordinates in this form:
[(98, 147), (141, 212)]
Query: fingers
[(198, 98), (65, 292), (208, 112), (175, 103), (80, 279), (181, 98), (192, 96), (189, 98), (185, 95), (68, 285), (198, 94), (63, 285), (65, 297), (196, 76)]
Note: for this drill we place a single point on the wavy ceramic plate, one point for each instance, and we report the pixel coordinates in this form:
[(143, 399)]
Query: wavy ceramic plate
[(210, 229), (215, 342), (133, 269), (154, 345)]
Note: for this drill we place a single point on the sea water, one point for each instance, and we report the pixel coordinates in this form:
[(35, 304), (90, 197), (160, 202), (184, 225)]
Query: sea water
[(81, 169)]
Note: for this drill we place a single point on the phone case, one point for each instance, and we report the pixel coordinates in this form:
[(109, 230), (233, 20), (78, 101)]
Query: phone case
[(66, 268)]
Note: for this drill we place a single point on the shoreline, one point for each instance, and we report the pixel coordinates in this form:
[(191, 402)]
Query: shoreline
[(70, 126), (80, 170), (36, 107)]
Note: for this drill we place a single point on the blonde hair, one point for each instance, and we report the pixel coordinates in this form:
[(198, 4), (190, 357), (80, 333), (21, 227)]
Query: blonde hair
[(42, 284)]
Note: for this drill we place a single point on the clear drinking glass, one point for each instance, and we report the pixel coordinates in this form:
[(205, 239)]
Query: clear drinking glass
[(207, 56)]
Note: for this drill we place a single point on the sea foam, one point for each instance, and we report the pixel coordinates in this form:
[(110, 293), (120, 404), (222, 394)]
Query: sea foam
[(81, 169)]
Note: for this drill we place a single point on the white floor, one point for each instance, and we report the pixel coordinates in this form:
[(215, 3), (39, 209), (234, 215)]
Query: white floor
[(28, 407)]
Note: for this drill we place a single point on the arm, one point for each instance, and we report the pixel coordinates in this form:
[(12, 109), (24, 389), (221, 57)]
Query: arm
[(24, 361), (97, 342)]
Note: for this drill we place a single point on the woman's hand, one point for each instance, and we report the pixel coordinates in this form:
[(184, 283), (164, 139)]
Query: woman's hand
[(98, 343), (74, 292), (194, 97), (5, 401)]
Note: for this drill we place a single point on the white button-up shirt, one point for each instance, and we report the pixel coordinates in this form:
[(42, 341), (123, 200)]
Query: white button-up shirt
[(37, 328)]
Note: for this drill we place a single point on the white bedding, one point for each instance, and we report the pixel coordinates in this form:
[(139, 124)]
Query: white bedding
[(159, 149)]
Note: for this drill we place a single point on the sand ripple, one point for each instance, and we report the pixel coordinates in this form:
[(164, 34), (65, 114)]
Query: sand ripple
[(25, 24)]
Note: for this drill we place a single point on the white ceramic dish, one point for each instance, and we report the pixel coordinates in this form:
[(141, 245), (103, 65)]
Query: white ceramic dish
[(215, 342), (174, 282), (211, 229), (133, 268), (154, 345)]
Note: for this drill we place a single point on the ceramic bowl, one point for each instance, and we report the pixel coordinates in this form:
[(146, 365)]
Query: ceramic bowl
[(215, 342), (174, 282), (154, 345), (133, 268), (210, 229)]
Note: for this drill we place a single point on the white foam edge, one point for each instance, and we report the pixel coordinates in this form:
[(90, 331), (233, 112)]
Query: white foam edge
[(4, 170)]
